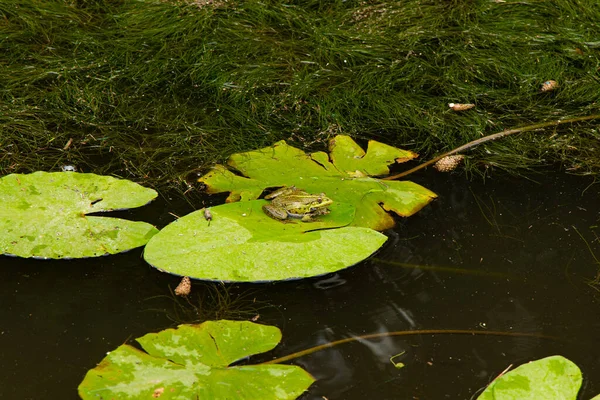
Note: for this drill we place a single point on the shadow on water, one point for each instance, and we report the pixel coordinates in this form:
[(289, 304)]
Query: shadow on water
[(504, 255)]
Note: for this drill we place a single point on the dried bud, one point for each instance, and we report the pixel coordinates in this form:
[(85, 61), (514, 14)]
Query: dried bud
[(460, 107), (548, 86), (449, 163), (184, 288)]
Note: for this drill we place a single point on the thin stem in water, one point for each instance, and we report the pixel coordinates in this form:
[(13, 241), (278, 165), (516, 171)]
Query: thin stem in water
[(405, 333), (489, 138)]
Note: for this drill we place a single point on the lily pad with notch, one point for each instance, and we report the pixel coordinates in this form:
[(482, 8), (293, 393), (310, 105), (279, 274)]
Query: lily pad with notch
[(44, 215), (240, 243), (194, 362), (550, 378), (347, 174)]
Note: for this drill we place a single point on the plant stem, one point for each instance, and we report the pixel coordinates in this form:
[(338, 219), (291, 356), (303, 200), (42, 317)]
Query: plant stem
[(489, 139), (404, 333)]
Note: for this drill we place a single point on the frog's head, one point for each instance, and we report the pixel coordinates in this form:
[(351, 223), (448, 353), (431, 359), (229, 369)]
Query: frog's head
[(320, 201)]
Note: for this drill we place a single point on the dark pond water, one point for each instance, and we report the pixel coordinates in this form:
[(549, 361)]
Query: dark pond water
[(503, 255)]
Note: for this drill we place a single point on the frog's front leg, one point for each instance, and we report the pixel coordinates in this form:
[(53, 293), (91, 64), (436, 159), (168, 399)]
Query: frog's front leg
[(307, 218)]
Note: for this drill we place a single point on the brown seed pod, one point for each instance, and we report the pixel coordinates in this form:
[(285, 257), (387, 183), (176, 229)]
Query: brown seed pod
[(185, 287), (460, 107), (548, 86), (448, 163)]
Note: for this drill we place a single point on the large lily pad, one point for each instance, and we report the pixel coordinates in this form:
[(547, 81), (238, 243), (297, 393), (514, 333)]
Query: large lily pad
[(344, 175), (551, 378), (43, 215), (241, 243), (192, 362)]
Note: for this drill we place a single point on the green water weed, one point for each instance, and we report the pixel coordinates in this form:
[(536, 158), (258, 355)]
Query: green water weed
[(154, 91)]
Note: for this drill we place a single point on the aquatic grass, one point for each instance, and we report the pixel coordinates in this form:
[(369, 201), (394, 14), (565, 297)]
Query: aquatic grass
[(209, 301), (155, 91), (593, 283)]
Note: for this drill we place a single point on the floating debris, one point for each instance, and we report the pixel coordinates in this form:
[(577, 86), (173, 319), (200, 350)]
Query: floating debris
[(448, 163), (69, 143), (208, 215), (460, 107), (185, 287), (549, 86)]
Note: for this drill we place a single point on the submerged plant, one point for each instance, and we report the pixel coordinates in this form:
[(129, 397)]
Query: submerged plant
[(595, 283), (213, 301)]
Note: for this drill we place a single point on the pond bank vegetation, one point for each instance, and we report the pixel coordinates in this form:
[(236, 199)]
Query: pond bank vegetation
[(157, 91)]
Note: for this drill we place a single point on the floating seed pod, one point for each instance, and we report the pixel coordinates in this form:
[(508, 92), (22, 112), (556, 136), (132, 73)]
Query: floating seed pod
[(184, 288), (68, 168), (460, 107), (548, 86), (448, 163)]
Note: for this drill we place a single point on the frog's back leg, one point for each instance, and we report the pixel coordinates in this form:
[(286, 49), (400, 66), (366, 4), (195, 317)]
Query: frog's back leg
[(281, 191), (275, 212)]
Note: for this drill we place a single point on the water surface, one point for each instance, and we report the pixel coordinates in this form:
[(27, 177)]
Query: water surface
[(500, 255)]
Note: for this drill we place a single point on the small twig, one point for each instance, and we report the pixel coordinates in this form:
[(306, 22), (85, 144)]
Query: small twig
[(503, 372), (69, 143), (490, 138)]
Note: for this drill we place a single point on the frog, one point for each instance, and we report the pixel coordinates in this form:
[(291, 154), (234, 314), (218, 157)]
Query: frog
[(290, 202)]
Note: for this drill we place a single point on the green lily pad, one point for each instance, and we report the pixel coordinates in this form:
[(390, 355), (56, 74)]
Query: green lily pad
[(241, 243), (192, 362), (345, 175), (43, 215), (551, 378)]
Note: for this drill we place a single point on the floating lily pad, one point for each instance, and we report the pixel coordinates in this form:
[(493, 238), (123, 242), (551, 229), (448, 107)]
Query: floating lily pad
[(193, 362), (241, 243), (344, 176), (551, 378), (44, 215)]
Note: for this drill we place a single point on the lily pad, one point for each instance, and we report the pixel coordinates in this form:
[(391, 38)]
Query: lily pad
[(551, 378), (241, 243), (43, 215), (345, 175), (193, 362)]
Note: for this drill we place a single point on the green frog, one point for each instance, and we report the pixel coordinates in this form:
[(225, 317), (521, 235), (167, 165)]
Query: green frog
[(291, 202)]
